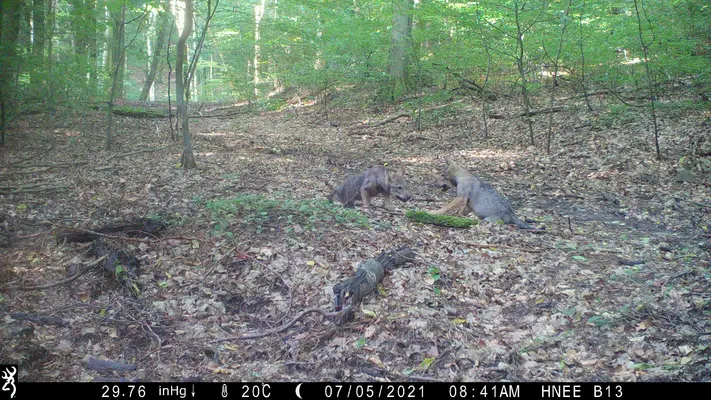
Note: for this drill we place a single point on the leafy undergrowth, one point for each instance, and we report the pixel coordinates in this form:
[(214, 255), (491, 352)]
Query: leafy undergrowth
[(616, 288), (271, 214)]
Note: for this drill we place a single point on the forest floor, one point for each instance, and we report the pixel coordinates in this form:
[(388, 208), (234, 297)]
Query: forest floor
[(251, 242)]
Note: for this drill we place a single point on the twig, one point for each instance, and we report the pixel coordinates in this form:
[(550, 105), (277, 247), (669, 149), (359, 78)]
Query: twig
[(15, 190), (257, 335), (217, 263), (357, 128), (487, 245), (130, 153), (24, 172), (288, 288), (70, 279), (32, 235), (31, 157), (69, 165)]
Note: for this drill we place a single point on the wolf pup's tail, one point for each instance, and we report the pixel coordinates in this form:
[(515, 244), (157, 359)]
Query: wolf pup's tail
[(518, 222)]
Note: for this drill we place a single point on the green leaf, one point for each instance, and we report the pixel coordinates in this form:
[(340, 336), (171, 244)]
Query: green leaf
[(427, 362), (598, 320), (360, 342)]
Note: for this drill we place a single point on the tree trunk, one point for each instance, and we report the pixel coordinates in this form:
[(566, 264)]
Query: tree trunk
[(117, 73), (92, 47), (650, 79), (522, 71), (155, 59), (116, 49), (51, 18), (38, 38), (402, 30), (258, 15), (9, 28), (549, 138), (582, 58), (188, 158)]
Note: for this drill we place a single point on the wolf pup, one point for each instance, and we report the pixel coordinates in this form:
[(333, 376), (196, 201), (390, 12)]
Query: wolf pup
[(476, 195), (373, 182)]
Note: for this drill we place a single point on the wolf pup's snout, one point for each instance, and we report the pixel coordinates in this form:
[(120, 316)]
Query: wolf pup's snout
[(403, 197)]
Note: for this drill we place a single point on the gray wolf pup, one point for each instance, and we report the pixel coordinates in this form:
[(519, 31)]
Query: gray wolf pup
[(375, 181), (476, 195)]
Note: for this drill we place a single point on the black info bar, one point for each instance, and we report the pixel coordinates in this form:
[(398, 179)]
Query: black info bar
[(372, 390)]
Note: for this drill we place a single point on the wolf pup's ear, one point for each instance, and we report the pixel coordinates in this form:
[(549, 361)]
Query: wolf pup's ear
[(448, 160), (401, 171)]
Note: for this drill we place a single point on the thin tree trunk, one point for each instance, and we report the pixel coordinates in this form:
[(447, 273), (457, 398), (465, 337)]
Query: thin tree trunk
[(93, 48), (117, 75), (117, 51), (38, 36), (582, 59), (549, 137), (522, 72), (188, 157), (155, 59), (10, 13), (51, 19), (258, 15), (401, 32), (650, 79)]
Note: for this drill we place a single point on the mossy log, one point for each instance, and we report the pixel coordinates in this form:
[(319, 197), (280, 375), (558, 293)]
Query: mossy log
[(441, 220)]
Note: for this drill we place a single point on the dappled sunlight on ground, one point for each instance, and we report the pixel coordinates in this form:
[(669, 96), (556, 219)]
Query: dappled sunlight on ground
[(252, 241)]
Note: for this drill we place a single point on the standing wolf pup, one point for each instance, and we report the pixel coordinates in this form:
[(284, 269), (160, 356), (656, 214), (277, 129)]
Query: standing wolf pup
[(479, 196), (373, 182)]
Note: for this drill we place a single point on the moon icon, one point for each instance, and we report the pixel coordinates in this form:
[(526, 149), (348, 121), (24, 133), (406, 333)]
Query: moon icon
[(298, 388)]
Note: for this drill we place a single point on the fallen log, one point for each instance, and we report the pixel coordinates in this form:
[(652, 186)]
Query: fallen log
[(349, 293), (145, 227)]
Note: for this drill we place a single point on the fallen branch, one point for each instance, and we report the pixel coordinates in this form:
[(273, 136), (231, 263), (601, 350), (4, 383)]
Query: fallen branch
[(357, 128), (283, 328), (107, 365), (141, 228), (530, 113), (350, 291), (24, 172), (544, 111), (30, 157), (70, 165), (29, 189), (589, 94), (131, 153), (500, 246), (40, 319), (65, 281)]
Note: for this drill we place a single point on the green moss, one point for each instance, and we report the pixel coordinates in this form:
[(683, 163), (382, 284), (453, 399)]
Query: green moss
[(441, 220)]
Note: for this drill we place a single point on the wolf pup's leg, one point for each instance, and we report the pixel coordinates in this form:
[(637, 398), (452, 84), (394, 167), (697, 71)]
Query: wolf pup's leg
[(455, 204), (464, 210), (365, 197), (386, 202)]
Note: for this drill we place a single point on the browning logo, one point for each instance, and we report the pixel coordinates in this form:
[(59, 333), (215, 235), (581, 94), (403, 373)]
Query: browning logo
[(9, 372)]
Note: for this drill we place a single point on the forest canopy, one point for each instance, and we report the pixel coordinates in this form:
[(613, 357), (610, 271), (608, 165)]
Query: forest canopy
[(69, 50)]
